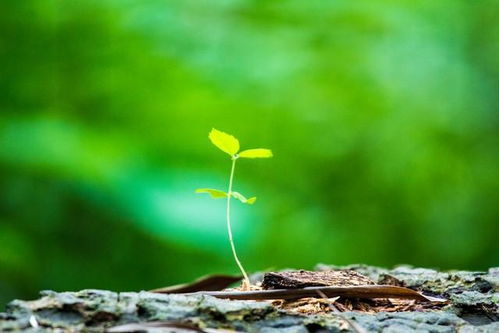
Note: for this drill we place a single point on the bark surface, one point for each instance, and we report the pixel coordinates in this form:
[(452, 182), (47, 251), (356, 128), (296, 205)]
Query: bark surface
[(473, 307)]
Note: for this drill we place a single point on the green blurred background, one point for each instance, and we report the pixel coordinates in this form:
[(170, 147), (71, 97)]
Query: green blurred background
[(382, 117)]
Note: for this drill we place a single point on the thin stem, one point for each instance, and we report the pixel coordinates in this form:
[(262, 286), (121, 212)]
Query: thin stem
[(229, 229)]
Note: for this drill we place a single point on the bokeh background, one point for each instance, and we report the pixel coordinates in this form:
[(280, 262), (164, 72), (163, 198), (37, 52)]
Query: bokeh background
[(382, 116)]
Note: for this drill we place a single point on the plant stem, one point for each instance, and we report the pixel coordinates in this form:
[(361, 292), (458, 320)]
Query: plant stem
[(229, 229)]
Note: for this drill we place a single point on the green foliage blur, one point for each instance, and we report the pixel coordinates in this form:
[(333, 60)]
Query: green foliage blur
[(382, 117)]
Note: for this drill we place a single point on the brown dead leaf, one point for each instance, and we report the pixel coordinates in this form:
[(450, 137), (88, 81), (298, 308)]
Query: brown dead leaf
[(364, 292), (205, 283)]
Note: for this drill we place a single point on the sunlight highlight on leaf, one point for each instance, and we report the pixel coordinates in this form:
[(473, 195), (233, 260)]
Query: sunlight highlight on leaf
[(256, 153), (215, 194), (225, 142)]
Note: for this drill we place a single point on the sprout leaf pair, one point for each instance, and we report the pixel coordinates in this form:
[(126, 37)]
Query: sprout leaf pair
[(230, 145)]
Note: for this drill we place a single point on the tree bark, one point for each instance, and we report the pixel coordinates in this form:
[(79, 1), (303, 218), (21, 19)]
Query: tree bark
[(473, 305)]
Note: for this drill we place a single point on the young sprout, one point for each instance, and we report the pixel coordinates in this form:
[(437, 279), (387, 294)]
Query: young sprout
[(230, 145)]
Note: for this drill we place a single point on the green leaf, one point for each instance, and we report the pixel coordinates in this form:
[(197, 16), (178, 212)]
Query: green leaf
[(256, 153), (242, 198), (251, 200), (226, 142), (216, 194)]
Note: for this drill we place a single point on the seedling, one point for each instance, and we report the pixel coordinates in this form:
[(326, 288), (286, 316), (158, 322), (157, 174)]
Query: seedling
[(230, 145)]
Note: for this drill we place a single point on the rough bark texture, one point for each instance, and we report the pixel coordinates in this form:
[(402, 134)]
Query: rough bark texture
[(302, 279), (473, 307)]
